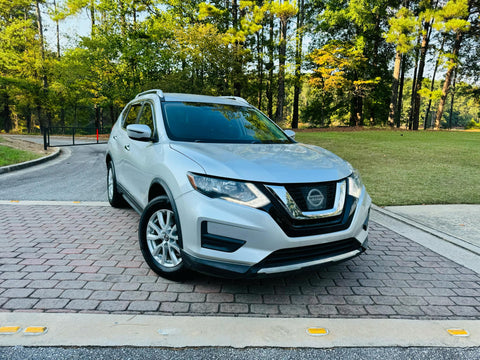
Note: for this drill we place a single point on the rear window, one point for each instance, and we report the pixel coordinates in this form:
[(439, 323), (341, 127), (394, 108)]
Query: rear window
[(202, 122)]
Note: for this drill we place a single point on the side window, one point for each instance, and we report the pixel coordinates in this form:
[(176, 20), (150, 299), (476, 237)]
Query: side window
[(146, 118), (132, 115)]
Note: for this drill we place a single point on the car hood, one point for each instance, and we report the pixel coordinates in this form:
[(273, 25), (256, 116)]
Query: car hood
[(267, 163)]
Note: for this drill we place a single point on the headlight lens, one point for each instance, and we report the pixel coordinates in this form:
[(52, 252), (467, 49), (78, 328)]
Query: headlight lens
[(243, 193), (355, 184)]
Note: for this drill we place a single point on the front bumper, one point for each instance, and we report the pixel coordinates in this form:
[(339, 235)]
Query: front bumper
[(230, 240)]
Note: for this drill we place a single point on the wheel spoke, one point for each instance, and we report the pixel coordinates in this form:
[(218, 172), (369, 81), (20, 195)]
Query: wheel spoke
[(173, 256), (156, 249), (154, 227), (168, 219), (153, 237), (174, 246)]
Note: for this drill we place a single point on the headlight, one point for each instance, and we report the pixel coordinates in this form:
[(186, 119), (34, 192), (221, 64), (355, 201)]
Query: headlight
[(355, 185), (243, 193)]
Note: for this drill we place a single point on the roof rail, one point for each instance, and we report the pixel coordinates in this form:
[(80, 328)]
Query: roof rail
[(238, 98), (152, 91)]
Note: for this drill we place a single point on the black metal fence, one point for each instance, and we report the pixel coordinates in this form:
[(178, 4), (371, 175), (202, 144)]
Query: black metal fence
[(72, 135)]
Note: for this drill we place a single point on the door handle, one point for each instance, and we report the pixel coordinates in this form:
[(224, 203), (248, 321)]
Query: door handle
[(115, 137), (127, 147)]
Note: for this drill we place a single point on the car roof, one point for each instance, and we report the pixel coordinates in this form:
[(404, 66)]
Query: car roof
[(181, 97)]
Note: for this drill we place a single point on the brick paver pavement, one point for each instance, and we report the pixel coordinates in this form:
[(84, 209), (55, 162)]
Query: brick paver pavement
[(86, 259)]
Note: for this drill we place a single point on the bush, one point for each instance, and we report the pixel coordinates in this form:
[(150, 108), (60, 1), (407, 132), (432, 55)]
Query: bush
[(472, 124)]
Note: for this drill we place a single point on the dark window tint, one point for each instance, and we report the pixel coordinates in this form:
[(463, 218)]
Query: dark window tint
[(146, 117), (203, 122), (132, 115)]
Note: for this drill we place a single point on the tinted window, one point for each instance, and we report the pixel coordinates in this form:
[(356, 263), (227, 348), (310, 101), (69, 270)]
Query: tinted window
[(219, 123), (146, 117), (132, 115)]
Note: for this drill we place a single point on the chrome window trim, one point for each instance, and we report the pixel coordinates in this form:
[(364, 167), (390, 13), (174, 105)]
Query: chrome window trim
[(292, 208)]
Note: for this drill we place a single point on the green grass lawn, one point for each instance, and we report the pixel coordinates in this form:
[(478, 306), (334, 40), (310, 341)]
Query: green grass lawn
[(10, 156), (406, 168)]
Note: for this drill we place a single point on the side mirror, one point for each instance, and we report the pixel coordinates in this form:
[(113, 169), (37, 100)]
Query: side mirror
[(139, 132), (290, 134)]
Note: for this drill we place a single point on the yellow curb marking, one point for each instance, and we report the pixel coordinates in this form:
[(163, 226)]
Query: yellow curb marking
[(35, 330), (7, 330), (317, 331), (458, 332)]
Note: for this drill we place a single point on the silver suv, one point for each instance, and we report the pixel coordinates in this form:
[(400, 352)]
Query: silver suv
[(222, 190)]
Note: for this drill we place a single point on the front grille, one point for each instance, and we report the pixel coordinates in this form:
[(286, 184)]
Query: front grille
[(313, 197), (309, 253)]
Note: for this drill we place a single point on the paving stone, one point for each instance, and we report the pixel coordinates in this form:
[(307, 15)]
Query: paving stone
[(134, 295), (71, 284), (82, 304), (76, 294), (17, 293), (204, 308), (51, 304), (105, 295), (220, 298), (322, 310), (112, 306), (57, 264), (234, 308), (174, 307), (22, 303), (144, 306), (163, 296), (293, 310)]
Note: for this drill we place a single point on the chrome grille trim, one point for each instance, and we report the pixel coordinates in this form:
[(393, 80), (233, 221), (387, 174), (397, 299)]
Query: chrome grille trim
[(281, 193)]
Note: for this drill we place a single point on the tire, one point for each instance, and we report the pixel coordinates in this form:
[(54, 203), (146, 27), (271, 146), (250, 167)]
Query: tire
[(115, 199), (160, 240)]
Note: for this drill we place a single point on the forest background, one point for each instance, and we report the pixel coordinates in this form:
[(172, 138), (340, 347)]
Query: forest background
[(317, 63)]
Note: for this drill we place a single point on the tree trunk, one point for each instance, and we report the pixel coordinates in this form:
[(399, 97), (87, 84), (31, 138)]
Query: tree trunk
[(282, 58), (271, 65), (421, 67), (432, 85), (412, 98), (92, 17), (5, 117), (398, 113), (47, 120), (448, 79), (298, 65), (453, 99), (393, 102), (260, 68)]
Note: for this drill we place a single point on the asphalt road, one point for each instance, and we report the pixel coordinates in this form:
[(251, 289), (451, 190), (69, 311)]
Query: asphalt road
[(26, 353), (78, 174)]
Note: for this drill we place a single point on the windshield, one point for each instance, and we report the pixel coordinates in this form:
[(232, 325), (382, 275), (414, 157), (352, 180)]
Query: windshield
[(202, 122)]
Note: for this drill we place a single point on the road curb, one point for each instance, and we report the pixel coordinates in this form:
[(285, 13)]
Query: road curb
[(186, 331), (434, 232), (447, 246), (26, 164)]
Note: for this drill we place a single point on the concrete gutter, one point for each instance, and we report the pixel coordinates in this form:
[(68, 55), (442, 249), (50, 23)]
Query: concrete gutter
[(26, 164), (240, 332)]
